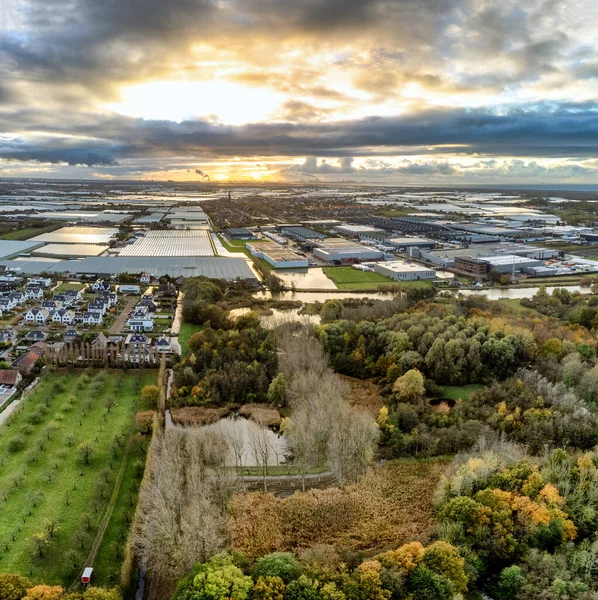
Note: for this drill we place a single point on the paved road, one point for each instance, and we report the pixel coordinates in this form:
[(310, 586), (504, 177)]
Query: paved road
[(120, 321), (9, 410)]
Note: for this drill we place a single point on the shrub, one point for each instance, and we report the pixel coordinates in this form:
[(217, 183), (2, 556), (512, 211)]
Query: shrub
[(16, 443), (278, 564), (13, 587)]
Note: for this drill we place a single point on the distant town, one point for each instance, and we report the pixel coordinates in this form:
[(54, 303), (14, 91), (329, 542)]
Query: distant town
[(98, 269)]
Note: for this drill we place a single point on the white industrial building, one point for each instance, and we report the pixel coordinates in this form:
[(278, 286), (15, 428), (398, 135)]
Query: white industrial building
[(357, 231), (404, 243), (404, 271), (339, 251), (510, 263)]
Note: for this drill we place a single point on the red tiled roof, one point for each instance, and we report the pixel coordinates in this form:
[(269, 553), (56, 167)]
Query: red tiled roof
[(8, 377)]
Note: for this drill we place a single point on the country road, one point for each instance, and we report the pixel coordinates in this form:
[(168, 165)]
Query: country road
[(119, 322)]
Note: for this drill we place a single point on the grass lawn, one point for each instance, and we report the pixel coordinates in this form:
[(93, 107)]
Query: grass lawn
[(236, 246), (350, 279), (239, 246), (187, 330), (45, 480), (454, 392), (69, 285)]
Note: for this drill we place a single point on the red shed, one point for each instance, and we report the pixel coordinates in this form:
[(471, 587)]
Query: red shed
[(86, 577)]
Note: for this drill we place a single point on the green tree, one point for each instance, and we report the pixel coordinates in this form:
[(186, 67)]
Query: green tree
[(443, 559), (331, 311), (268, 588), (509, 582), (278, 564), (85, 450), (150, 394), (302, 589), (424, 584), (13, 587), (277, 390), (410, 387)]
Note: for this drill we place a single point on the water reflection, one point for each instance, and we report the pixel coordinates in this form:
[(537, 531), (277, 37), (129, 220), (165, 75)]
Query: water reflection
[(250, 445)]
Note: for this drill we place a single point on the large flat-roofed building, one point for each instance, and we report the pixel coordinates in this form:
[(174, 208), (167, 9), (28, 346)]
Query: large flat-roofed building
[(404, 243), (510, 263), (278, 256), (239, 233), (471, 266), (357, 231), (303, 234), (404, 271), (339, 251)]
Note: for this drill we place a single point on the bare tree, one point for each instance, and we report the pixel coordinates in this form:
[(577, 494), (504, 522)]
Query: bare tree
[(181, 514)]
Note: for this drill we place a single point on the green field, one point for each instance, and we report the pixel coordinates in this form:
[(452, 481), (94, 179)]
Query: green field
[(187, 330), (454, 392), (29, 232), (350, 279), (49, 493)]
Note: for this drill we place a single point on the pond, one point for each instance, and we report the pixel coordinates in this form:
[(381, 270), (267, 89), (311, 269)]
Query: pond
[(279, 317), (306, 279), (496, 293), (249, 442)]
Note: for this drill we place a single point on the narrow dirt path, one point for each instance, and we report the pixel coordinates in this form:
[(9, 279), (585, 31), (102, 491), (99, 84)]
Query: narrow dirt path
[(97, 542)]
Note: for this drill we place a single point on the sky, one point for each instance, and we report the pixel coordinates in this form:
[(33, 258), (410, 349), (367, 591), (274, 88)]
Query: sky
[(378, 91)]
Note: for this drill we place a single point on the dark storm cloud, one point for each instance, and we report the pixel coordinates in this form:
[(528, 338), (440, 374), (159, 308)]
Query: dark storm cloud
[(563, 131)]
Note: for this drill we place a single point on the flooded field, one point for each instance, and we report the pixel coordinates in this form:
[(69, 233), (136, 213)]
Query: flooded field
[(306, 279)]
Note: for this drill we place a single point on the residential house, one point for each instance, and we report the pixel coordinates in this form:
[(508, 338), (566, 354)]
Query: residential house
[(63, 316), (168, 290), (110, 298), (34, 292), (6, 304), (37, 315), (51, 305), (9, 379), (145, 278), (70, 335), (39, 348), (92, 318), (129, 289), (98, 305), (163, 344), (18, 297), (35, 336), (62, 300), (101, 285), (40, 281), (72, 295), (7, 335), (26, 362), (100, 342), (151, 306), (140, 320), (136, 339)]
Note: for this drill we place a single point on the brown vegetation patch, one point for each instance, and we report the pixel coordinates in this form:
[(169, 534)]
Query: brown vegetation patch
[(261, 413), (390, 506), (190, 416), (364, 395), (144, 420)]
